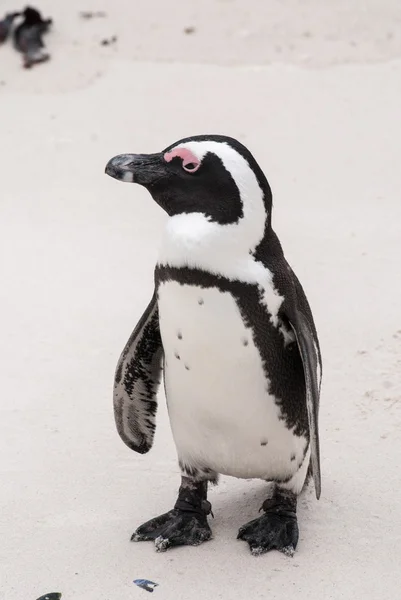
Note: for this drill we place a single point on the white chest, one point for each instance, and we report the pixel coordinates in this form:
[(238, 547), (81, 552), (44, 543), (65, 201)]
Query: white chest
[(221, 413)]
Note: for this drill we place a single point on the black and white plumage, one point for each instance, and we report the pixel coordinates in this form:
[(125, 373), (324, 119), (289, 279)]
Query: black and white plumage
[(231, 322), (28, 37)]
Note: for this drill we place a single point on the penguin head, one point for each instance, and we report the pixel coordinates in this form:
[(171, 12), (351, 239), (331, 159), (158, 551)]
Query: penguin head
[(32, 16), (211, 175)]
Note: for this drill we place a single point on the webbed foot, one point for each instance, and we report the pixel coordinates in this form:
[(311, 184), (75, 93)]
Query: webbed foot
[(186, 524), (277, 529)]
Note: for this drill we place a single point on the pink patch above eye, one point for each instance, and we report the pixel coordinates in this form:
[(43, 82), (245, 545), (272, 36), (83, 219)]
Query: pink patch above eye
[(188, 158)]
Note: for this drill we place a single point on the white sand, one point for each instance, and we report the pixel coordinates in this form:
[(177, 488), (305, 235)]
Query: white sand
[(77, 252)]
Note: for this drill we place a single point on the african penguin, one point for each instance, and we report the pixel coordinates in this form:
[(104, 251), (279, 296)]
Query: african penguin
[(231, 328), (28, 37)]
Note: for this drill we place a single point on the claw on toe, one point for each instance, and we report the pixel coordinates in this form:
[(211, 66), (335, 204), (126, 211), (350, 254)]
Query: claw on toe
[(288, 551), (162, 544), (257, 551)]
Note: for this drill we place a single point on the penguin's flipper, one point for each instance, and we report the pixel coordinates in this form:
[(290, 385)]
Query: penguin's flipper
[(312, 369), (137, 380)]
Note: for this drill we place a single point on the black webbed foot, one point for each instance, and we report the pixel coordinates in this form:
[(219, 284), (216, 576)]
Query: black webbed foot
[(175, 528), (277, 529), (186, 524)]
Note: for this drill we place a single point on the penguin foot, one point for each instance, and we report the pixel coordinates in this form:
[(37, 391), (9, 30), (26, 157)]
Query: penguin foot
[(271, 532), (185, 525), (277, 529), (175, 528)]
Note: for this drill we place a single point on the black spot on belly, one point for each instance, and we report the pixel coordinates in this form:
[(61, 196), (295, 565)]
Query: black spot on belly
[(245, 342), (179, 335), (292, 456), (178, 357), (201, 301), (263, 442), (187, 368)]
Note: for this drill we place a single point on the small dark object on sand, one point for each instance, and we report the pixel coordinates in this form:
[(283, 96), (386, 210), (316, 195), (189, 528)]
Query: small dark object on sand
[(189, 30), (109, 41), (89, 14), (51, 596), (28, 37), (5, 25), (145, 584)]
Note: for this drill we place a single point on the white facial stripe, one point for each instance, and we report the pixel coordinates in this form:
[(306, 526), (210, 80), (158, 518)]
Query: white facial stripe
[(237, 239), (194, 240), (244, 177)]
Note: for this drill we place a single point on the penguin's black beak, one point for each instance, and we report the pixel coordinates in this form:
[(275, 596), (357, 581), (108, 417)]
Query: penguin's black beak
[(144, 169)]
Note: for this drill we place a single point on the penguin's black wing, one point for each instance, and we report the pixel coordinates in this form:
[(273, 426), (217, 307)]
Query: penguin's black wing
[(312, 369), (295, 311), (137, 380)]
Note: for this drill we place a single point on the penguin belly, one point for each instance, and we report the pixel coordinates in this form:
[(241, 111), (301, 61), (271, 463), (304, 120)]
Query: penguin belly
[(222, 416)]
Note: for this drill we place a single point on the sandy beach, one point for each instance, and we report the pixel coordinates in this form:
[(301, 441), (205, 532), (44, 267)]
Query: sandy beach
[(314, 92)]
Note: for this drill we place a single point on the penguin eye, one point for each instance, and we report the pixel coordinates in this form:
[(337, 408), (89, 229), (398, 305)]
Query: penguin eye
[(190, 167), (190, 162)]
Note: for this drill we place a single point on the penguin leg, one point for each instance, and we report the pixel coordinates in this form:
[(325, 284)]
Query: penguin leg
[(186, 524), (277, 529)]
